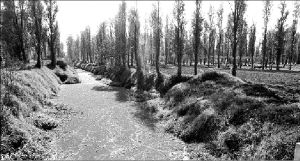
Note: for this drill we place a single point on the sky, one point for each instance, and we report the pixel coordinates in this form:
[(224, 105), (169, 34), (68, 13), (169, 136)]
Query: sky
[(74, 16)]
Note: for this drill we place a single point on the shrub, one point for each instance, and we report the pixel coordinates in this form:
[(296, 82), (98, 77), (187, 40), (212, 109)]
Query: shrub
[(149, 80), (44, 122), (62, 64), (169, 82), (202, 128), (218, 77), (282, 114), (178, 92), (279, 146)]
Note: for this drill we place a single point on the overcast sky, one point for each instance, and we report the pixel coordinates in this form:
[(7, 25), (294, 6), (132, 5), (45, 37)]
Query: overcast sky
[(74, 16)]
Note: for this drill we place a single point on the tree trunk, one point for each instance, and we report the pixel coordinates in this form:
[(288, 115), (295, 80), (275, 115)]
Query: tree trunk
[(53, 55), (264, 49), (219, 50), (234, 67)]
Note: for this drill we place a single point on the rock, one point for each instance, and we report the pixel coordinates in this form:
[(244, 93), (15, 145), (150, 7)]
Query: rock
[(105, 81), (116, 84), (72, 80), (99, 77)]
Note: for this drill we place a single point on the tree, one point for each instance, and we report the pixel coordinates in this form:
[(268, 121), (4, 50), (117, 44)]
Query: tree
[(270, 47), (296, 14), (135, 30), (238, 14), (251, 46), (131, 31), (197, 33), (266, 16), (37, 11), (167, 40), (229, 39), (178, 13), (77, 49), (52, 9), (280, 34), (102, 43), (211, 43), (15, 32), (120, 35), (242, 43), (298, 47), (88, 44), (83, 47), (156, 26), (70, 48), (220, 21)]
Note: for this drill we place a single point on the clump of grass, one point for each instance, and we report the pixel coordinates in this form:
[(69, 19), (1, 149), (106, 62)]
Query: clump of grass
[(279, 145), (202, 128), (218, 77), (44, 121), (178, 92), (167, 82), (149, 81), (282, 114)]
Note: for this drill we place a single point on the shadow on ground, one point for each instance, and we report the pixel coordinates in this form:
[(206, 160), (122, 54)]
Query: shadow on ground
[(145, 115), (122, 94)]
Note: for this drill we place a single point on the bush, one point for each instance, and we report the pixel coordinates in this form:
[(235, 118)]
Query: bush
[(282, 114), (100, 70), (44, 122), (218, 77), (169, 82), (279, 146), (202, 128), (178, 92), (149, 81), (62, 64), (68, 76)]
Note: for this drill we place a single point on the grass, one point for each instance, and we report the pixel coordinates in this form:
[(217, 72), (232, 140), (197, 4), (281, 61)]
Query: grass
[(25, 117), (232, 117)]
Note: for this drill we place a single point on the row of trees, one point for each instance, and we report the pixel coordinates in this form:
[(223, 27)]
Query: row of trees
[(30, 27), (206, 42)]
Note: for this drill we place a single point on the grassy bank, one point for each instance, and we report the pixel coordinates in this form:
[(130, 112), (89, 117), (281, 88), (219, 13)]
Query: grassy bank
[(27, 117), (230, 118)]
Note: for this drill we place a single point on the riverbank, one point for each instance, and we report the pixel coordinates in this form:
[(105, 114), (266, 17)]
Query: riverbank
[(27, 115)]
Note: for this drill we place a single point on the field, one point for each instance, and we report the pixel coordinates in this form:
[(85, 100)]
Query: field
[(285, 78)]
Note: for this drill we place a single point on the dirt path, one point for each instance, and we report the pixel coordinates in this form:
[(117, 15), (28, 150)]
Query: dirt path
[(108, 126)]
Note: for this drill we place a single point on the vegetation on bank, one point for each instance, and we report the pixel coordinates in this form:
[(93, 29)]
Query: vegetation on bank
[(220, 116), (27, 115)]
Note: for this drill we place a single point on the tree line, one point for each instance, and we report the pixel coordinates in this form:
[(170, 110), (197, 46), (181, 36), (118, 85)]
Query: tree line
[(204, 42), (29, 31)]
